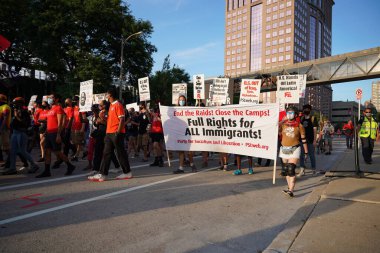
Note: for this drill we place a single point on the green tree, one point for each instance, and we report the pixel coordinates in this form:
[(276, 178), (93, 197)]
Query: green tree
[(162, 80), (77, 40)]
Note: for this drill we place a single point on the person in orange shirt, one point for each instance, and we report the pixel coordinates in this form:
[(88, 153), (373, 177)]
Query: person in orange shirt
[(78, 129), (53, 140), (114, 140)]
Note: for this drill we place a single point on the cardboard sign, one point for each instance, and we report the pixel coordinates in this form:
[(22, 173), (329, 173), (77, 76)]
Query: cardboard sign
[(177, 90), (199, 86), (85, 96), (250, 91), (144, 91)]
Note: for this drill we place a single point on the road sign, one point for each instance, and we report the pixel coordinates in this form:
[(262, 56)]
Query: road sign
[(359, 93)]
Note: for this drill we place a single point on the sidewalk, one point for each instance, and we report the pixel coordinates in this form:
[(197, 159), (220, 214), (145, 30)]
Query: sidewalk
[(342, 215)]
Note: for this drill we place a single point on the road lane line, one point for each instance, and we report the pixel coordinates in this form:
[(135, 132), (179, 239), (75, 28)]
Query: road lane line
[(53, 209), (61, 178)]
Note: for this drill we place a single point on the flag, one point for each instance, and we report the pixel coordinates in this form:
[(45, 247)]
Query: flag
[(4, 43)]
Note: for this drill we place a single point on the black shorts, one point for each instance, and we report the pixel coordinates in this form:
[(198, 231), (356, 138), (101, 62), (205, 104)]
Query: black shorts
[(51, 143), (156, 137)]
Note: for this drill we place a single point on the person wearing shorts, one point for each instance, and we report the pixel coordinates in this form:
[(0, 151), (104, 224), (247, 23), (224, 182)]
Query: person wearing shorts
[(290, 151), (78, 129), (157, 135), (143, 137), (53, 138)]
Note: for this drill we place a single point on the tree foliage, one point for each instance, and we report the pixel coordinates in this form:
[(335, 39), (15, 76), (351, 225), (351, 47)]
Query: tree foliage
[(162, 80), (76, 40)]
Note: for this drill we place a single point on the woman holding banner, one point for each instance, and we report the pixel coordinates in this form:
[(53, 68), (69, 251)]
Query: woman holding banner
[(182, 101), (290, 150)]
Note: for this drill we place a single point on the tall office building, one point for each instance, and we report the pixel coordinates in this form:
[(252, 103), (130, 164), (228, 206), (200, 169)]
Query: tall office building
[(375, 98), (263, 34)]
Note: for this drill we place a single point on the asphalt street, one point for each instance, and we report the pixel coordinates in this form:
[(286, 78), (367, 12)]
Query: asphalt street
[(156, 211)]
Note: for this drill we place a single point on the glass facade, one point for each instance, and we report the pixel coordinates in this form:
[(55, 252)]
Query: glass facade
[(256, 37), (313, 24)]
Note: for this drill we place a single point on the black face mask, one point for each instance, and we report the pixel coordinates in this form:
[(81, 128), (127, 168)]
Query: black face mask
[(306, 112), (74, 103), (43, 106)]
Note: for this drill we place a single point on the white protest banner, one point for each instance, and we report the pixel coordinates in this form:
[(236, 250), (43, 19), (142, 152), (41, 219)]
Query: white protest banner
[(32, 99), (220, 91), (97, 98), (250, 130), (144, 91), (85, 96), (199, 86), (177, 90), (132, 105), (250, 91), (288, 89), (302, 85)]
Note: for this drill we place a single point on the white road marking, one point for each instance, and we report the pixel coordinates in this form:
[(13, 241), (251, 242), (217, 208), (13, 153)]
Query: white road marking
[(53, 209), (61, 178)]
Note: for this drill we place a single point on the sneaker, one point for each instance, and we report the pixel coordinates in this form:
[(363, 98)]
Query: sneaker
[(178, 171), (288, 193), (225, 168), (22, 168), (46, 173), (85, 153), (302, 172), (97, 178), (250, 171), (10, 172), (238, 172), (115, 170), (193, 168), (93, 172), (124, 176), (33, 169), (70, 169), (56, 164)]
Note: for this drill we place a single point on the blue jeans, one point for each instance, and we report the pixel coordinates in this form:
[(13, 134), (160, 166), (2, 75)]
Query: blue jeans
[(19, 142), (311, 155)]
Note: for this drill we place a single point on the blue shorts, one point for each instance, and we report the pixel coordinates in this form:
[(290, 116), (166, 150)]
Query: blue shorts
[(51, 143)]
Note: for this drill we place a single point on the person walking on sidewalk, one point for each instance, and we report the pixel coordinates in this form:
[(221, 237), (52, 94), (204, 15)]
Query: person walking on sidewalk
[(310, 124), (114, 140), (368, 133), (348, 130), (290, 150), (53, 140)]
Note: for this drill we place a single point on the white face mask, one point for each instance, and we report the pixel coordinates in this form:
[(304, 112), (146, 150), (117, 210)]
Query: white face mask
[(368, 114), (290, 115), (50, 101), (182, 102)]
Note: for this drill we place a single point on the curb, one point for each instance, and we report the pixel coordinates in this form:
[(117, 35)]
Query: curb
[(284, 240)]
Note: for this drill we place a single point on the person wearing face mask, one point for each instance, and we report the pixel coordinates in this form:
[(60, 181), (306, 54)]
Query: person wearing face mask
[(310, 124), (368, 131), (53, 140), (183, 102), (290, 151)]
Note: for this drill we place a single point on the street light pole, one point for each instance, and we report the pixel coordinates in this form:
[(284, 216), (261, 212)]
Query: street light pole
[(123, 41)]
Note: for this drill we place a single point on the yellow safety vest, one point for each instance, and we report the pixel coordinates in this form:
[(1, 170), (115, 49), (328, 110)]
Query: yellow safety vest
[(368, 128)]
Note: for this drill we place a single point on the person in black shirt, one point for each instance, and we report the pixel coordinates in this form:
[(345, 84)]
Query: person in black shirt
[(310, 124), (132, 132), (143, 137), (20, 123)]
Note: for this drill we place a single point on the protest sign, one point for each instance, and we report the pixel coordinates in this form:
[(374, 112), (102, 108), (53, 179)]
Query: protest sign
[(220, 91), (45, 98), (199, 86), (32, 99), (85, 96), (132, 105), (302, 85), (97, 98), (177, 90), (288, 89), (250, 130), (250, 91), (144, 91)]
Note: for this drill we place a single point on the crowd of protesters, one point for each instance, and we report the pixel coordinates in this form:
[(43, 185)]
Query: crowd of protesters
[(109, 133)]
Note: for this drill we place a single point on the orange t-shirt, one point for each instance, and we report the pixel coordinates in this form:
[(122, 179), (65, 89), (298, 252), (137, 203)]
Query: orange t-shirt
[(69, 114), (52, 118), (77, 123), (43, 115), (115, 112)]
